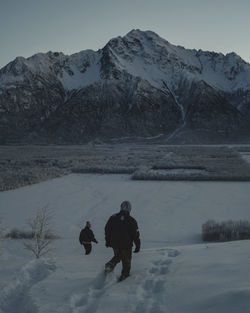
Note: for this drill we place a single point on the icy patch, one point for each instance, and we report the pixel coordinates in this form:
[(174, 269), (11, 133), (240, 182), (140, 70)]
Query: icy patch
[(16, 294)]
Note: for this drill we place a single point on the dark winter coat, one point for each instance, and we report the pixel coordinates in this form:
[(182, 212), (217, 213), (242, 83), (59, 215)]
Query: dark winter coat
[(121, 231), (86, 236)]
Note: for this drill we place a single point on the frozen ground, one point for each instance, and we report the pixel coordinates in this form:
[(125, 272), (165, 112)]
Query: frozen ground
[(174, 272)]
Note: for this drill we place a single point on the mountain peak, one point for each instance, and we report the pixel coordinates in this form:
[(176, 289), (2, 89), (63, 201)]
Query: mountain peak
[(139, 32), (235, 56), (144, 34)]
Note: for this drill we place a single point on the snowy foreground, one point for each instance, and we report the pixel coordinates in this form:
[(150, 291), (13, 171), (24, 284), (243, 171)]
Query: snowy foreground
[(174, 272)]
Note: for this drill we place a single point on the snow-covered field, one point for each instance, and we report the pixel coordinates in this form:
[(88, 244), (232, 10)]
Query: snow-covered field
[(174, 271)]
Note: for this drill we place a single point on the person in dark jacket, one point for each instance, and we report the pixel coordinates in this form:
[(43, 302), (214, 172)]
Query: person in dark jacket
[(86, 237), (121, 231)]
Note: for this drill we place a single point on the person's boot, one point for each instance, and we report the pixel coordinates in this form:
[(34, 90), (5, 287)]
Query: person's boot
[(122, 277), (108, 268)]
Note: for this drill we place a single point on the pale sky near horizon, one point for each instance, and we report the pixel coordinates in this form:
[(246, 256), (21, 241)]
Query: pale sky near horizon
[(31, 26)]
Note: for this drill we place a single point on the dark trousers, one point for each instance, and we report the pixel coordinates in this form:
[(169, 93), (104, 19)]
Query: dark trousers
[(88, 248), (124, 255)]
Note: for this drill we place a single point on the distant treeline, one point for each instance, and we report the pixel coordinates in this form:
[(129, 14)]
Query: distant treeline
[(17, 233), (225, 231)]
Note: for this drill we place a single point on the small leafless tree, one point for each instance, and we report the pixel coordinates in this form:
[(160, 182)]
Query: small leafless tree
[(43, 236)]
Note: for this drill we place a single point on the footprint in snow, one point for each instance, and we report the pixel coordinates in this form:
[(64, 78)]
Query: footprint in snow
[(173, 253), (90, 301), (151, 291)]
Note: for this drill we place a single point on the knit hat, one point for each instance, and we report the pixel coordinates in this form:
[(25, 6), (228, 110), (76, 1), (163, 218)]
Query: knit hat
[(88, 224), (126, 206)]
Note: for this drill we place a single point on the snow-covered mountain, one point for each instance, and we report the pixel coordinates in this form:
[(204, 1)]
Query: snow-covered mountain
[(137, 85)]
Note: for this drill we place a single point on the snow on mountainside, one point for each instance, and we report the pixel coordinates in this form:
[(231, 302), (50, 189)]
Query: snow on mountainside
[(138, 84), (74, 72), (142, 54), (147, 55)]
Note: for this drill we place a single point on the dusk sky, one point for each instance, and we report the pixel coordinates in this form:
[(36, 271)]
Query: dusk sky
[(31, 26)]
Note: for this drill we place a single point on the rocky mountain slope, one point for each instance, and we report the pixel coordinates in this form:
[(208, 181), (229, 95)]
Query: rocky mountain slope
[(137, 85)]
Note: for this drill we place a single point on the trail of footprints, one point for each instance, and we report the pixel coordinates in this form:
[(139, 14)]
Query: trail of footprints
[(151, 292), (89, 303), (16, 297)]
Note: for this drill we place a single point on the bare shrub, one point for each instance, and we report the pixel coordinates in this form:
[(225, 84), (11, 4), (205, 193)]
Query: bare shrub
[(42, 234), (225, 231)]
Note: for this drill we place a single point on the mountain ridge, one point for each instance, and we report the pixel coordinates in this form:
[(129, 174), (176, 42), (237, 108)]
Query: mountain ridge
[(137, 85)]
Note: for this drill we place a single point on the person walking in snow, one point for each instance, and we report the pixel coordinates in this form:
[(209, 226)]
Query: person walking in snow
[(86, 237), (121, 231)]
